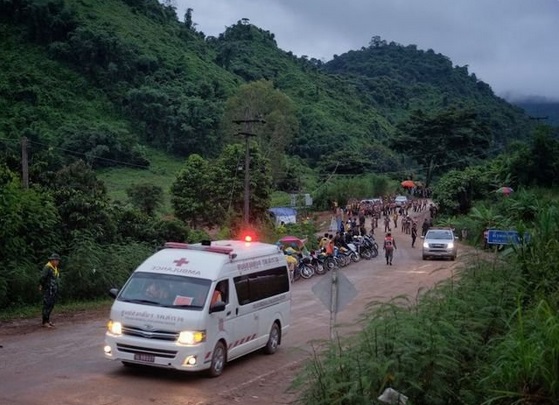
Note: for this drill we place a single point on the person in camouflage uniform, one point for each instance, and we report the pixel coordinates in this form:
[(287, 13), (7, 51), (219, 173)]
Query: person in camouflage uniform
[(49, 286)]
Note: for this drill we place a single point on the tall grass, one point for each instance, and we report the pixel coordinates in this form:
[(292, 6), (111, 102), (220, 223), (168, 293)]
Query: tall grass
[(422, 350), (524, 367)]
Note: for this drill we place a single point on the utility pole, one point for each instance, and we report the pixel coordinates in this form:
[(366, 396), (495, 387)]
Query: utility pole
[(247, 134), (24, 164)]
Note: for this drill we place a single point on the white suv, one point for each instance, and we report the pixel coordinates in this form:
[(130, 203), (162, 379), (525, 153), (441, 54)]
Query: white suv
[(439, 242), (401, 200)]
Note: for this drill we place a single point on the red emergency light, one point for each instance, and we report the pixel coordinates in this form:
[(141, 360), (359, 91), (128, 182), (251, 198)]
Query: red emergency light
[(248, 235), (205, 248)]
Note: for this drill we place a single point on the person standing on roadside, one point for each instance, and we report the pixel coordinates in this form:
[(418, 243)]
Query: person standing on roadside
[(425, 227), (48, 285), (413, 233), (389, 245), (386, 223)]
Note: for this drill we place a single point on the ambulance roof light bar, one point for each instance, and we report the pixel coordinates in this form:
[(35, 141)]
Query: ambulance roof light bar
[(205, 248)]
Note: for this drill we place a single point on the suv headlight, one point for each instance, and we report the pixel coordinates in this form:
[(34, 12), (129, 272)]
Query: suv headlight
[(191, 337), (451, 245), (426, 245)]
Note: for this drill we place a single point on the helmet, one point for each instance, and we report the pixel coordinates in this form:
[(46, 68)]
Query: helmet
[(54, 256)]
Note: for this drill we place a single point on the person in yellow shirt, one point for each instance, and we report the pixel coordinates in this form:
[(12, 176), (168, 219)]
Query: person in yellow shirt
[(323, 242), (48, 285), (291, 261)]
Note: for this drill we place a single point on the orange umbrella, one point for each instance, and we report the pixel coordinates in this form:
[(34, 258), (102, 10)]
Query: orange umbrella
[(408, 184)]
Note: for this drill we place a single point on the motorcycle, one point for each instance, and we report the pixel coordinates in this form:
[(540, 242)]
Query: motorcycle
[(304, 267), (364, 251), (317, 261), (342, 256), (369, 241)]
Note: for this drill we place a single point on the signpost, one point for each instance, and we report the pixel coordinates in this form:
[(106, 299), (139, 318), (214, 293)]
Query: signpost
[(335, 293), (500, 237)]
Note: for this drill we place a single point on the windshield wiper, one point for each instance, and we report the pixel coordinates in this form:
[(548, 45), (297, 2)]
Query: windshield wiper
[(185, 306), (136, 301)]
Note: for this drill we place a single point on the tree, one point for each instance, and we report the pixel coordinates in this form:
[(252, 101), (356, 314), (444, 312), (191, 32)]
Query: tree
[(145, 197), (82, 202), (188, 19), (193, 194), (228, 182), (260, 100), (28, 232), (443, 140), (536, 163)]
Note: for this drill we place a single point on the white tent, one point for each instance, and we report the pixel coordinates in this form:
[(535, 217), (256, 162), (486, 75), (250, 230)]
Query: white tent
[(283, 214)]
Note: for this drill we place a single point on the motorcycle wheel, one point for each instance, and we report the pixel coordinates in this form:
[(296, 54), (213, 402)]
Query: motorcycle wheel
[(306, 271), (366, 254), (374, 252), (330, 263), (320, 268), (355, 257)]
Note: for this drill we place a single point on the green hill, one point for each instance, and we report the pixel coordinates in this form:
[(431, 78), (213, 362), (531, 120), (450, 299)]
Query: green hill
[(102, 80)]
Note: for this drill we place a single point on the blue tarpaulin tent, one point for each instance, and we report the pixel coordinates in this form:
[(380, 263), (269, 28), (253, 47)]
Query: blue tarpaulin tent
[(283, 214)]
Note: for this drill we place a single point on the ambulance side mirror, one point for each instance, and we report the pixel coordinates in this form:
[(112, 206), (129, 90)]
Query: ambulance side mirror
[(217, 307), (113, 292)]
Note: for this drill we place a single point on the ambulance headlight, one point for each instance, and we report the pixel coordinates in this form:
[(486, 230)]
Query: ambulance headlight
[(114, 328), (191, 337)]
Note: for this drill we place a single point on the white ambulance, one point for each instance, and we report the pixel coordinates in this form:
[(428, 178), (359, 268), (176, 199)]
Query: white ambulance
[(197, 306)]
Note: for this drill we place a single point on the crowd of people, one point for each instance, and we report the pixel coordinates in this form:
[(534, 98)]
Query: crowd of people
[(385, 213)]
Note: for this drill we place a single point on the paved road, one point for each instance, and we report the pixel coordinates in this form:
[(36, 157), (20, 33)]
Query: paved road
[(66, 365)]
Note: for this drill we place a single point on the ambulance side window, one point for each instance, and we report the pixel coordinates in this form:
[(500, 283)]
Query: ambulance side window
[(221, 292), (263, 284), (241, 285)]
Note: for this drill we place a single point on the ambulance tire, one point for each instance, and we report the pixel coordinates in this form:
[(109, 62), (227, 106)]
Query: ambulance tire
[(273, 340), (219, 357)]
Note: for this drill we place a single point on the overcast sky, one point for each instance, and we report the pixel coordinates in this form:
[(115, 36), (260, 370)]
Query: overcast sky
[(513, 45)]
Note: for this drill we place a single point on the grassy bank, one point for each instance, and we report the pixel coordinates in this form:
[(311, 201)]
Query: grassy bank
[(490, 335)]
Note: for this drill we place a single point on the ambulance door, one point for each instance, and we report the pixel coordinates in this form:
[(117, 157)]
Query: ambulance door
[(246, 319), (222, 322)]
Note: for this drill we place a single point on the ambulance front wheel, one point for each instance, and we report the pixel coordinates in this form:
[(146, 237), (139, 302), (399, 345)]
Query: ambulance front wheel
[(219, 357), (273, 340)]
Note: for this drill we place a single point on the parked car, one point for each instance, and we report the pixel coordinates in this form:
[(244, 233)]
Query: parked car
[(372, 201), (401, 200), (440, 242)]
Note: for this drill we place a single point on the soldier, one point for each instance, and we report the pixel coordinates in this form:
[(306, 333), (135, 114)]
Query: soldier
[(389, 245), (49, 287), (413, 234)]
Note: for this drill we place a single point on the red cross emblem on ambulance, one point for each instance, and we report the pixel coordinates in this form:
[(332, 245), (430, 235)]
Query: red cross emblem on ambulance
[(180, 261)]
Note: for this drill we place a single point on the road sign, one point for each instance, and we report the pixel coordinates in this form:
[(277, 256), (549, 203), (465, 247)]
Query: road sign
[(500, 237), (345, 294), (335, 293)]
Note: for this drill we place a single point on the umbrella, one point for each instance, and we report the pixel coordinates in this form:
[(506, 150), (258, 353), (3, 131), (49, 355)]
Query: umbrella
[(504, 190), (408, 184), (293, 239)]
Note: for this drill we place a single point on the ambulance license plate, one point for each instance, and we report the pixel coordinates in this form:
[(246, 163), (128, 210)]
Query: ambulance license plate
[(147, 358)]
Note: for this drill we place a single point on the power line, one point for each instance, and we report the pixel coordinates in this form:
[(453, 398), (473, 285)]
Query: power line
[(46, 145)]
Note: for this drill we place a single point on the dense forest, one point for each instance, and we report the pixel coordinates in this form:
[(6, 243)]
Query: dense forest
[(101, 80)]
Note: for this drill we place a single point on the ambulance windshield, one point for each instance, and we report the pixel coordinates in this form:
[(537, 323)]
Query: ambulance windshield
[(166, 290)]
